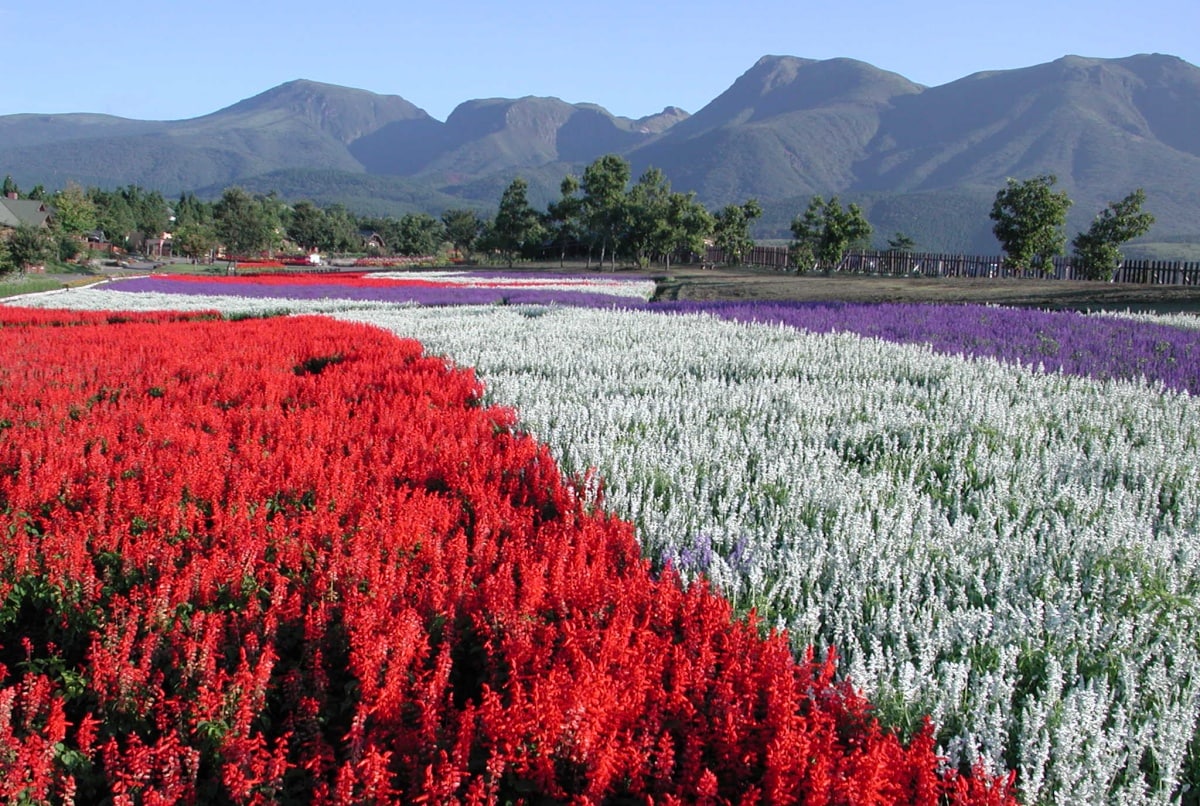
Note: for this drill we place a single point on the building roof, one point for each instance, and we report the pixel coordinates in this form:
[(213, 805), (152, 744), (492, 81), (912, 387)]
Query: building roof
[(23, 212)]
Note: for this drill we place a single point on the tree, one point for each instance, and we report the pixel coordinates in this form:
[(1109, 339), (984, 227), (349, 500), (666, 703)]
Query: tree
[(308, 227), (343, 228), (825, 231), (462, 228), (1097, 252), (731, 230), (603, 206), (194, 240), (1030, 217), (151, 214), (74, 212), (113, 216), (417, 234), (901, 243), (190, 210), (516, 225), (563, 217), (647, 205), (688, 225), (9, 188), (67, 247), (28, 246), (243, 223), (806, 233)]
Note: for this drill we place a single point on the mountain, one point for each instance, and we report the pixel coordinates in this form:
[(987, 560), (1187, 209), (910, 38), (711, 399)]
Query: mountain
[(788, 126), (300, 124), (1103, 127), (923, 160), (483, 137)]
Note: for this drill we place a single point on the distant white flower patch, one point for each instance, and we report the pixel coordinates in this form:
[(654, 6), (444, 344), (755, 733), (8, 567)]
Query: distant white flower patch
[(1189, 321), (634, 289)]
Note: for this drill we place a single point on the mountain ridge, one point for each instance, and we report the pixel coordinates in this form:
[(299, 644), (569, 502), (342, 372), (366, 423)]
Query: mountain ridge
[(787, 128)]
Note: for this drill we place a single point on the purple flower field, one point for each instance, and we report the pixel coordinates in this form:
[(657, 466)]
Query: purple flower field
[(1058, 341)]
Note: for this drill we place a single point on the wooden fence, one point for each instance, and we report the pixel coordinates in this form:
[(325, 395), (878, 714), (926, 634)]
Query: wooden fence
[(932, 264)]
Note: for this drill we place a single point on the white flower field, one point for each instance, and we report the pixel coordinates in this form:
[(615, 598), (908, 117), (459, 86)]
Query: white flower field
[(1015, 554)]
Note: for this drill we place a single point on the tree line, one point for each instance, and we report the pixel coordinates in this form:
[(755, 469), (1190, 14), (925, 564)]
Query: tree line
[(239, 222), (599, 216)]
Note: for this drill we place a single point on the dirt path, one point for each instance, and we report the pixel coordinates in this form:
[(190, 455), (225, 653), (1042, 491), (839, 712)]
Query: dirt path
[(689, 283)]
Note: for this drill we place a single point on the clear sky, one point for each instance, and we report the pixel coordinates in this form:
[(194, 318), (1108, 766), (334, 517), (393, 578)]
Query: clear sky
[(174, 59)]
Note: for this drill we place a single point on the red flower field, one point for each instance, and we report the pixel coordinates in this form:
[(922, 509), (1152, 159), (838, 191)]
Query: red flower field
[(294, 560)]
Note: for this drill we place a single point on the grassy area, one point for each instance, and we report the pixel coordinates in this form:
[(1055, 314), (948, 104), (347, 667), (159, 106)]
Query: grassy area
[(13, 284), (19, 283)]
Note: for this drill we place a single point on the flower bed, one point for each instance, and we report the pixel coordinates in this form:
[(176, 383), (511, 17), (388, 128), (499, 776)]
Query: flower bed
[(418, 289), (1092, 346), (1010, 550), (324, 572), (394, 261)]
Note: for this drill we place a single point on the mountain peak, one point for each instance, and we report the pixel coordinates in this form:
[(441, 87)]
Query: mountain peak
[(659, 123), (785, 85), (344, 113)]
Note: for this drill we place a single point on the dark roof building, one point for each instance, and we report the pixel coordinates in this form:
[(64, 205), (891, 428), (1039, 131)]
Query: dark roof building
[(24, 212)]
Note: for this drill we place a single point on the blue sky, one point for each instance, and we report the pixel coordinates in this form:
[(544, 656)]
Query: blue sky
[(169, 60)]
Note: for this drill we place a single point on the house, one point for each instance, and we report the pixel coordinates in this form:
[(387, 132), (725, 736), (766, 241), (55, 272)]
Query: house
[(371, 240), (24, 212), (151, 245), (96, 241)]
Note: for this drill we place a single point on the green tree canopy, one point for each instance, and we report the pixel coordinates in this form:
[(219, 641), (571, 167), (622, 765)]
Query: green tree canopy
[(74, 212), (113, 216), (900, 242), (648, 207), (28, 246), (151, 213), (243, 223), (603, 208), (731, 230), (563, 220), (190, 210), (462, 228), (1097, 252), (688, 223), (343, 228), (1029, 218), (194, 240), (418, 234), (825, 231), (516, 226), (308, 226)]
